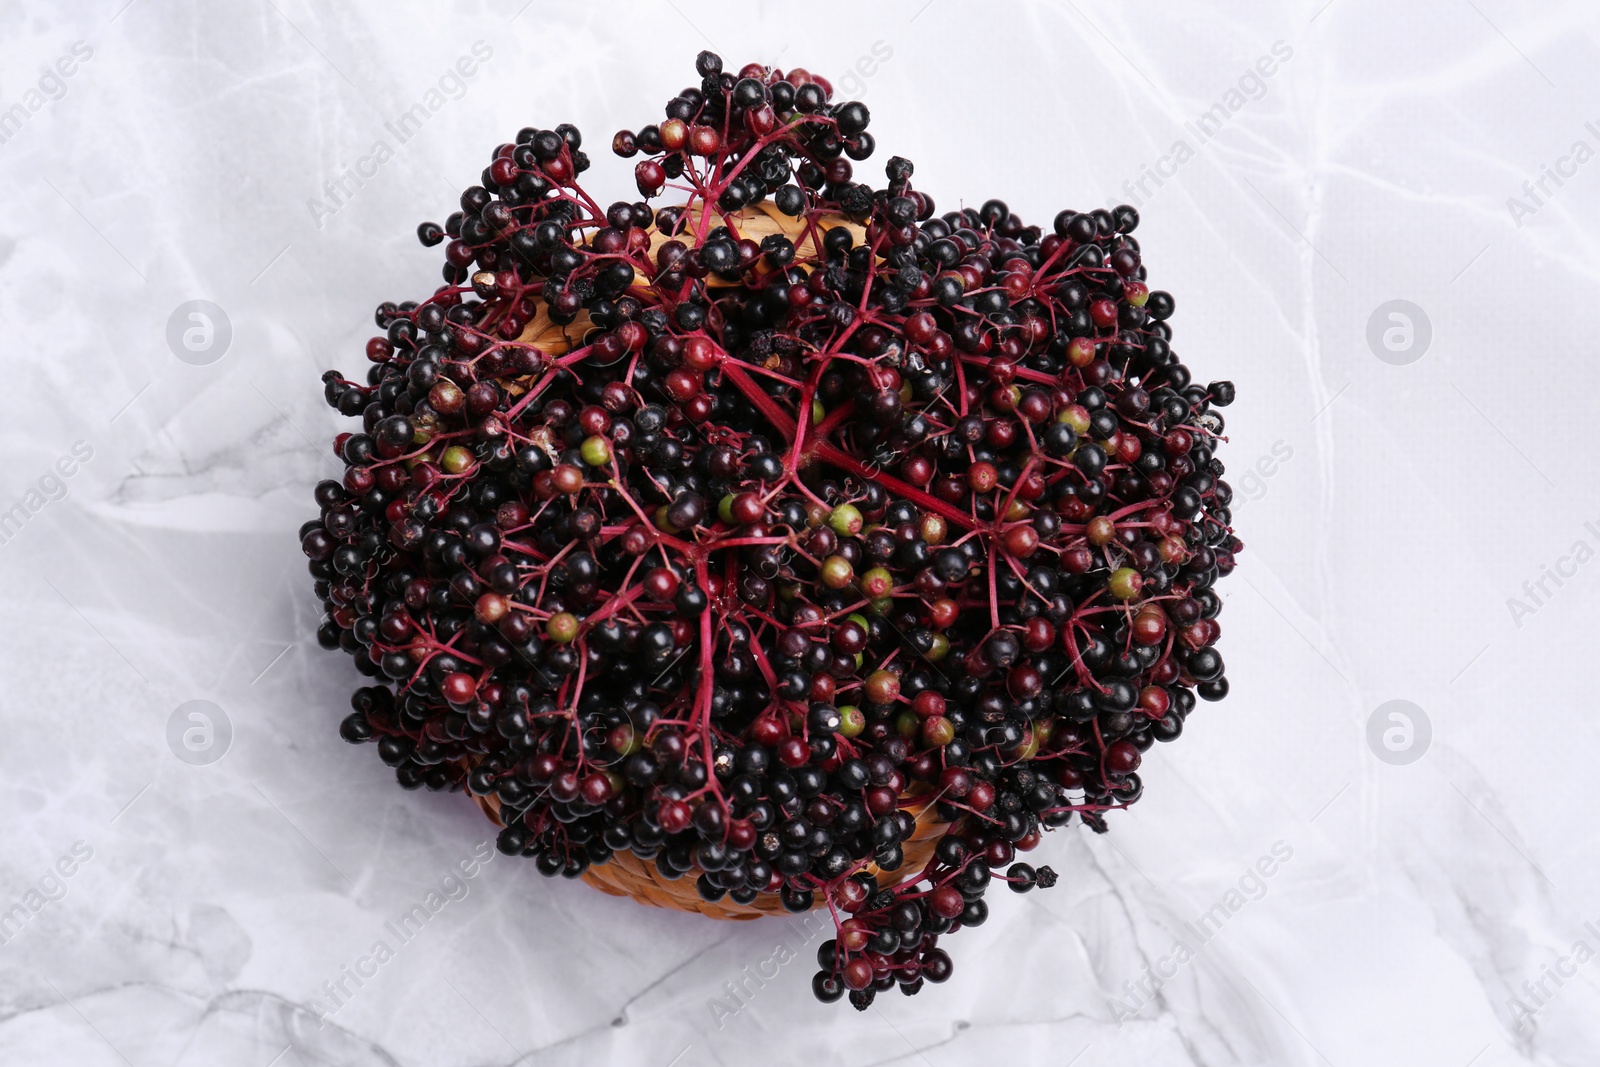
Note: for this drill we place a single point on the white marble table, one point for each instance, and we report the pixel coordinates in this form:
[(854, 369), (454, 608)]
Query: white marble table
[(1292, 890)]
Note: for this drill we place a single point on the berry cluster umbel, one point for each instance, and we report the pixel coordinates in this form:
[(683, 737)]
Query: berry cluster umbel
[(733, 554)]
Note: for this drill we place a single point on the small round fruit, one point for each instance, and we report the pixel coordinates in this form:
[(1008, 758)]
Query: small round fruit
[(876, 583), (836, 572), (1122, 758), (457, 460), (851, 721), (1125, 583), (566, 478), (846, 520), (882, 687), (1021, 541), (745, 508), (459, 688), (938, 731), (660, 584), (562, 627)]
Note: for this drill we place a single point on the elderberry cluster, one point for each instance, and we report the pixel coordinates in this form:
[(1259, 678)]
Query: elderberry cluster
[(754, 534)]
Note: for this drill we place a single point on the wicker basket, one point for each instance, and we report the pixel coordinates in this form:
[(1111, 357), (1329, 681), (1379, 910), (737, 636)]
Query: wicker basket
[(625, 875)]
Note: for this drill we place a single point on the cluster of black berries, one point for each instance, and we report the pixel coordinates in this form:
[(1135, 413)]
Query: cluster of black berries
[(733, 533)]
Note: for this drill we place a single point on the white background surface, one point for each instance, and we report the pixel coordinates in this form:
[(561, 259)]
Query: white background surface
[(1416, 499)]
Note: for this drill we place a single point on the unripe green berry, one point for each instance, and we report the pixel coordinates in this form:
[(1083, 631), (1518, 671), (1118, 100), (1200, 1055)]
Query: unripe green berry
[(562, 627), (837, 573), (1125, 583), (846, 520)]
